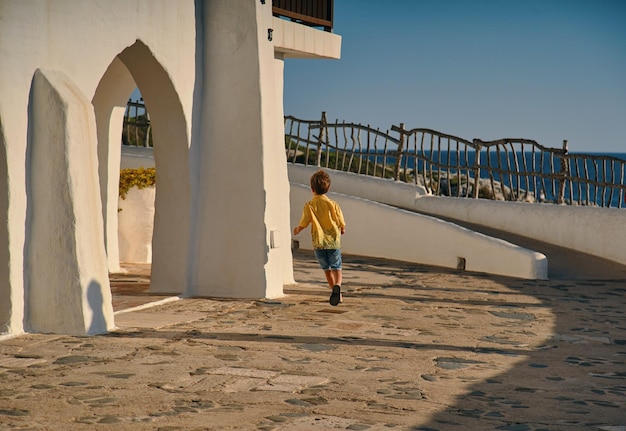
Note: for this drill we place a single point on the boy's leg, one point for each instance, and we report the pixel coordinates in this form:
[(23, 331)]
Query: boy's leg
[(336, 276), (338, 279), (330, 277)]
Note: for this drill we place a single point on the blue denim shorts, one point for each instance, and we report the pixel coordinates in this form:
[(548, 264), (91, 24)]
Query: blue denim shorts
[(329, 259)]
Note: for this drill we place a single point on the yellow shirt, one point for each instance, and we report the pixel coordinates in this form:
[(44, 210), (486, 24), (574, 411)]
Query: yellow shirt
[(326, 221)]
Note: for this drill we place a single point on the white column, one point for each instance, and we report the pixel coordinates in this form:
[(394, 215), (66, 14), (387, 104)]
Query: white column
[(240, 218), (67, 281)]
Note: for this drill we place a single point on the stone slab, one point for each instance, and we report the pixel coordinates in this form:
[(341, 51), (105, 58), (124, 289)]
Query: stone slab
[(139, 319)]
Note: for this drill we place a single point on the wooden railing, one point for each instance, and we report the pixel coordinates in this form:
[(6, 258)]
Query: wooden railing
[(137, 130), (314, 13), (446, 165)]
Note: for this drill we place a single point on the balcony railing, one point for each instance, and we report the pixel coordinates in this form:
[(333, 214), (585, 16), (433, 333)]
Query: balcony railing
[(314, 13)]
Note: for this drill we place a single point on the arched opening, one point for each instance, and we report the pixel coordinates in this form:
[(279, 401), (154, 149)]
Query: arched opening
[(137, 190), (136, 67), (109, 103)]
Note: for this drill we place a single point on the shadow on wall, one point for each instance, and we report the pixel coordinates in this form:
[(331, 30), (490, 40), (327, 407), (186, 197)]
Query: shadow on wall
[(95, 300), (5, 286)]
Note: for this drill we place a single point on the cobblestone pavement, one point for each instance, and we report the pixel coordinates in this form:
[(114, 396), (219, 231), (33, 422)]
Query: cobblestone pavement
[(410, 348)]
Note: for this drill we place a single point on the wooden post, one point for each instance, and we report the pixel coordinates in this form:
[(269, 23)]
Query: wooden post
[(321, 138), (135, 124), (477, 148), (148, 129), (563, 174), (396, 169)]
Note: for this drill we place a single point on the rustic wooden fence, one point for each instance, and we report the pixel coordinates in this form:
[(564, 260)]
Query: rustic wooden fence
[(505, 169), (137, 130)]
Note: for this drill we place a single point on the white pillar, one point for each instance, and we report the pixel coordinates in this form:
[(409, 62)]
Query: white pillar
[(67, 281), (277, 163), (240, 218)]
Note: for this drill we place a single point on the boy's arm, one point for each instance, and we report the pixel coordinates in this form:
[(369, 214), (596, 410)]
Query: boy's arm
[(342, 222), (304, 221)]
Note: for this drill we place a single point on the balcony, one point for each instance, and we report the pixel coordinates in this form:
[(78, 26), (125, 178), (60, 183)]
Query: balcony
[(313, 13)]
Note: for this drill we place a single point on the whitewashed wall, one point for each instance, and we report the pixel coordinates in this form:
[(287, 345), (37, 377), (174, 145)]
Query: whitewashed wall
[(207, 59), (46, 36)]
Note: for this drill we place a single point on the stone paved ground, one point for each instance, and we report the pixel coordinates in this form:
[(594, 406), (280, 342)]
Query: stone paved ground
[(411, 348)]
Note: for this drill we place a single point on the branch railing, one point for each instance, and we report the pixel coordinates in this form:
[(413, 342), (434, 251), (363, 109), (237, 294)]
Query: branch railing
[(447, 165), (137, 129)]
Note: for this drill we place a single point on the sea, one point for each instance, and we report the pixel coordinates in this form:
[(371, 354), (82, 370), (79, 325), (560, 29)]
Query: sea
[(595, 173)]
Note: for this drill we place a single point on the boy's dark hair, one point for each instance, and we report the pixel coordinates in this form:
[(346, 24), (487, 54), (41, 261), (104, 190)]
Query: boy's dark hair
[(320, 182)]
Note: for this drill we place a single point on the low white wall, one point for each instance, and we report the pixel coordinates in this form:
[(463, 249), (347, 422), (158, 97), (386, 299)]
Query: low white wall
[(136, 218), (379, 230), (135, 224), (598, 231)]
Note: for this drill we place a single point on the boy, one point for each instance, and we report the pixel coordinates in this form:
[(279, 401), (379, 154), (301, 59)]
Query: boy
[(327, 225)]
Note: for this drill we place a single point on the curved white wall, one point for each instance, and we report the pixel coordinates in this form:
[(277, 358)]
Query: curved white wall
[(378, 230)]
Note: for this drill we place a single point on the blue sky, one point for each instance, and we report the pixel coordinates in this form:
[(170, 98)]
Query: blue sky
[(546, 70)]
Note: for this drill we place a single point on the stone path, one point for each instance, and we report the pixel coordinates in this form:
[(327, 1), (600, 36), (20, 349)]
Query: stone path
[(411, 348)]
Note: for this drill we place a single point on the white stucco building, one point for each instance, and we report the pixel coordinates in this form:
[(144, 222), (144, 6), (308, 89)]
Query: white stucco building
[(211, 75)]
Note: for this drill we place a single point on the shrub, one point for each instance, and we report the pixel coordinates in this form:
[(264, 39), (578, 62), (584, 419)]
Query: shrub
[(140, 178)]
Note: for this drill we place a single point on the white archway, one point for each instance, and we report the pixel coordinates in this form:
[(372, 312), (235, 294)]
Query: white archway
[(109, 104), (137, 64)]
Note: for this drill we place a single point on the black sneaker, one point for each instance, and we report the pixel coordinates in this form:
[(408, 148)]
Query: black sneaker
[(335, 297)]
